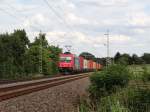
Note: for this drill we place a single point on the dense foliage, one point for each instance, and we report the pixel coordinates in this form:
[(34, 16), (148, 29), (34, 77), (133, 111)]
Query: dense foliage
[(128, 100), (146, 58), (126, 59), (145, 74), (106, 92), (135, 97), (106, 81), (20, 58), (137, 100)]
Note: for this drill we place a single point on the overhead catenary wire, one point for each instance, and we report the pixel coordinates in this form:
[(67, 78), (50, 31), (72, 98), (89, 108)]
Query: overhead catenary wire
[(8, 13), (58, 15), (21, 19), (40, 51), (61, 20), (17, 18)]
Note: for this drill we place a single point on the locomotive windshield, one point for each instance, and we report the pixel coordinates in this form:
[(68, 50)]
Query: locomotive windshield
[(65, 59)]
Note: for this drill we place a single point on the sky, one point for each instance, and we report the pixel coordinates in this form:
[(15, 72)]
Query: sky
[(82, 23)]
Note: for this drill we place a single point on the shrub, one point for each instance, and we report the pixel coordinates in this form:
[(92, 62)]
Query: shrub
[(138, 100), (106, 104), (105, 82), (146, 74), (111, 104), (83, 106)]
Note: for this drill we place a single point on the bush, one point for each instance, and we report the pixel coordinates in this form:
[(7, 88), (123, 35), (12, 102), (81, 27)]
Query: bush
[(83, 106), (106, 104), (138, 100), (146, 74), (106, 82), (111, 104)]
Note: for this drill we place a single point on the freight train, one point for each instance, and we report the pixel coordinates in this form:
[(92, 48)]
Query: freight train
[(70, 63)]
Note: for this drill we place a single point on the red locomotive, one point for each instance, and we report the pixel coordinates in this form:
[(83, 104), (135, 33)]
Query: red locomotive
[(71, 63)]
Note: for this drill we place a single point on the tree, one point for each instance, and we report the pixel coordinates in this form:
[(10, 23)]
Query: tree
[(146, 58), (87, 55), (38, 49), (54, 56), (125, 59), (19, 44), (101, 61), (136, 59), (117, 56), (32, 60), (20, 58), (12, 49), (40, 40), (50, 55)]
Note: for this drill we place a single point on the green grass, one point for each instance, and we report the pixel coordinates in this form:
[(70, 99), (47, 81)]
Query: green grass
[(134, 98), (137, 70), (129, 99)]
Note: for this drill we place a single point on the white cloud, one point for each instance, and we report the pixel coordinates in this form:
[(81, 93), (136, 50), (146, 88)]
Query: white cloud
[(120, 38), (139, 18), (139, 31), (74, 19), (79, 38), (37, 19), (89, 20), (104, 2)]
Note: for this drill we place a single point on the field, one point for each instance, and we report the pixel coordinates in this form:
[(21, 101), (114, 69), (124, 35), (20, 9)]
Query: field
[(137, 70)]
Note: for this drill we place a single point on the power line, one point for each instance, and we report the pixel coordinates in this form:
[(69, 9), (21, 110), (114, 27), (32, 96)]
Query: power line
[(40, 46), (57, 14), (61, 20), (17, 18), (22, 20), (8, 13)]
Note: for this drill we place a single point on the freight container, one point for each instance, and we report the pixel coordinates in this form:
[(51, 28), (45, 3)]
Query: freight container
[(94, 65), (90, 64), (81, 59), (85, 64), (76, 63), (97, 65), (100, 66)]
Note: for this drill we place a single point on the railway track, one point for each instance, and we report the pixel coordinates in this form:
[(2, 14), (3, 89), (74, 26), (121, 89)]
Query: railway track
[(8, 81), (12, 90)]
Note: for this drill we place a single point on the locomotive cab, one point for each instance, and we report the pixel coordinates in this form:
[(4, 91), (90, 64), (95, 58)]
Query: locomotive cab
[(66, 63)]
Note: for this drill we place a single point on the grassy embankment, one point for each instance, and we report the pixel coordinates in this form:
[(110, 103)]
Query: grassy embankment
[(134, 97)]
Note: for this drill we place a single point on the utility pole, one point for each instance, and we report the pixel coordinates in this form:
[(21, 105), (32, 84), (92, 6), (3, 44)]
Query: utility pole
[(40, 54), (108, 51)]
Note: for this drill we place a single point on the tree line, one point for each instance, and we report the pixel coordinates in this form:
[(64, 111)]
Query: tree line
[(21, 58), (125, 59)]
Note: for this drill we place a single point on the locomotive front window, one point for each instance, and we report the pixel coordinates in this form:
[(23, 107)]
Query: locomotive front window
[(65, 59)]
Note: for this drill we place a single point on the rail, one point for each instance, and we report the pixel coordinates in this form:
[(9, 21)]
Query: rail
[(12, 90)]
